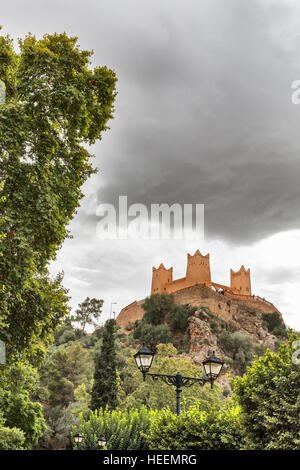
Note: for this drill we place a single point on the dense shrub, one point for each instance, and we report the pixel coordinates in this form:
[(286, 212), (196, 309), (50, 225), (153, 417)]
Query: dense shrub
[(18, 385), (274, 324), (156, 307), (11, 438), (179, 315), (196, 430), (123, 430), (269, 398), (153, 335), (240, 348)]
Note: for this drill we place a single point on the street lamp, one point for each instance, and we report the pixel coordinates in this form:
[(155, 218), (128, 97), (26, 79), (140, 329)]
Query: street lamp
[(78, 438), (101, 442), (143, 359), (212, 368), (111, 304)]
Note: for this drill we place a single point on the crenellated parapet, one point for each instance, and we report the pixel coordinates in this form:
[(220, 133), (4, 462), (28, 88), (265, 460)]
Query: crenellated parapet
[(198, 269), (161, 278), (240, 282), (198, 273)]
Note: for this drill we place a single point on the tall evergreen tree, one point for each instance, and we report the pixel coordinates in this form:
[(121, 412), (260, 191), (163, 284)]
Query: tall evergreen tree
[(104, 390)]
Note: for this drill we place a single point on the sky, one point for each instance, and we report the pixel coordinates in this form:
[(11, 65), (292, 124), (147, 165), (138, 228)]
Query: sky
[(203, 115)]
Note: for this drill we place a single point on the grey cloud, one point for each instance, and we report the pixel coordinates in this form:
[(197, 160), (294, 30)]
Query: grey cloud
[(203, 115), (203, 112)]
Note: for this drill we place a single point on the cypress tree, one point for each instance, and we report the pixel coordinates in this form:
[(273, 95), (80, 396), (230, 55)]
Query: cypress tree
[(104, 390)]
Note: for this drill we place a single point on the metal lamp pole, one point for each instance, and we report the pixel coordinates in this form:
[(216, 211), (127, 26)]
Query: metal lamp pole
[(212, 367)]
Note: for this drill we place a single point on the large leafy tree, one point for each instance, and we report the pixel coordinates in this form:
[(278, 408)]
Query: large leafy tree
[(269, 398), (104, 392), (56, 105)]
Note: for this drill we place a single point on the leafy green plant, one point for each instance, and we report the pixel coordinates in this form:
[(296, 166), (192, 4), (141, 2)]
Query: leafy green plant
[(11, 438), (156, 307), (179, 315), (123, 430), (240, 347), (196, 429), (152, 335), (275, 324), (268, 395), (18, 411)]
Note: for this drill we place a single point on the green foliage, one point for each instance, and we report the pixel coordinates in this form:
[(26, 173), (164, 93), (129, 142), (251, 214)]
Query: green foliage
[(88, 313), (213, 326), (159, 310), (179, 315), (134, 392), (156, 307), (82, 401), (104, 392), (64, 370), (17, 386), (123, 430), (269, 398), (240, 348), (152, 335), (196, 429), (275, 324), (65, 334), (56, 105), (11, 438)]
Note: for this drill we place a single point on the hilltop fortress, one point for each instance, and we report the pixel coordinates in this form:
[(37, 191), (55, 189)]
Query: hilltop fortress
[(197, 289), (198, 273)]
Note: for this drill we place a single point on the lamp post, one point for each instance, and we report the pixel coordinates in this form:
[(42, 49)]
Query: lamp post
[(111, 304), (78, 438), (212, 369)]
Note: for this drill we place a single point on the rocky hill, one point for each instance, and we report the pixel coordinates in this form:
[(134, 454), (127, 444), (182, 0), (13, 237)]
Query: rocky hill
[(235, 328)]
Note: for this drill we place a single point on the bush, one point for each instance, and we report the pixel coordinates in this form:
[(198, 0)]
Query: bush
[(240, 347), (178, 317), (213, 326), (275, 324), (11, 438), (123, 430), (156, 307), (67, 335), (269, 398), (196, 430), (153, 335)]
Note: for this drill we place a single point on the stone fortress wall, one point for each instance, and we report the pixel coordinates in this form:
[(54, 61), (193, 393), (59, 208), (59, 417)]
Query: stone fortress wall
[(197, 289)]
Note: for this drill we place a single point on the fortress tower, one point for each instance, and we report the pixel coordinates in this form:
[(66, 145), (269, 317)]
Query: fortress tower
[(240, 281), (198, 272), (198, 269), (161, 277)]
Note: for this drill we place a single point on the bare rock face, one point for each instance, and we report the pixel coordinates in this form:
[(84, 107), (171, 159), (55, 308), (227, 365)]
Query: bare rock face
[(207, 327), (216, 315)]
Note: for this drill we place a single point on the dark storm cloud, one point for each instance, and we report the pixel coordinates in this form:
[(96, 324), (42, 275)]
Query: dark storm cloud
[(204, 110), (205, 116)]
